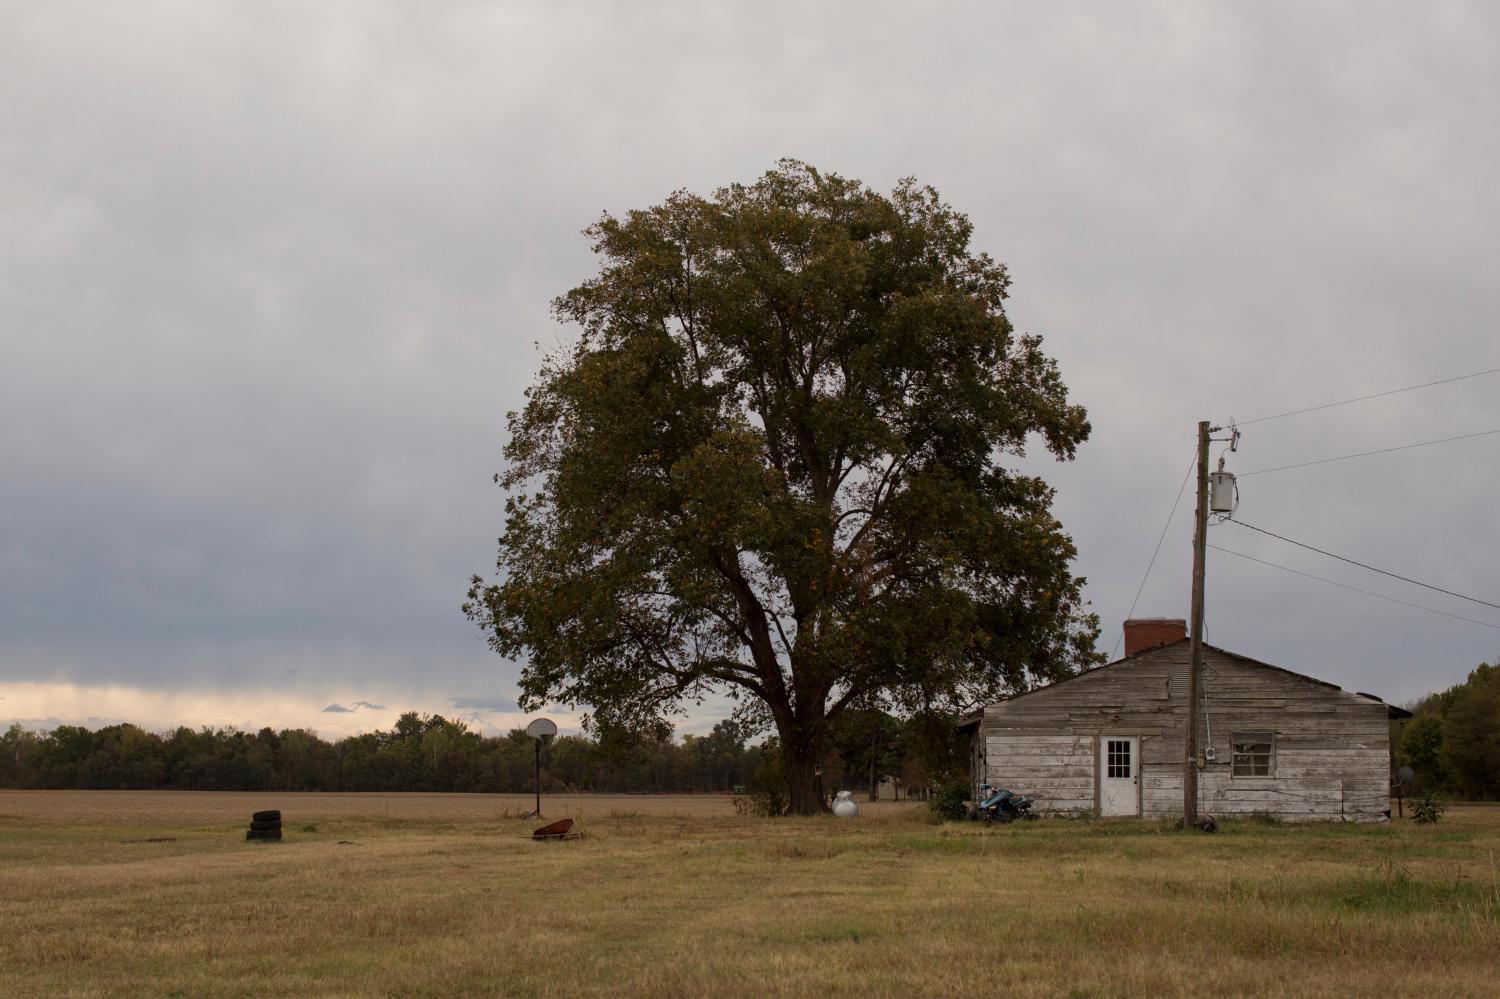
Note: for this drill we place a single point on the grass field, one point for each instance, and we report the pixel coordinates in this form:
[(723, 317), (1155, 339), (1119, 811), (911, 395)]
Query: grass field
[(435, 895)]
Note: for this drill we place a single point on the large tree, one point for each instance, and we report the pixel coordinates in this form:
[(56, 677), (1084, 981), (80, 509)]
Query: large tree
[(778, 462)]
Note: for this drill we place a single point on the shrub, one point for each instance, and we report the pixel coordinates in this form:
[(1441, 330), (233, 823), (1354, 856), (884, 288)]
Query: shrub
[(766, 796), (951, 802), (1428, 807)]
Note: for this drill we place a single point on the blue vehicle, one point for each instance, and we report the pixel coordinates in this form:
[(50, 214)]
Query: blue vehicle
[(1001, 805)]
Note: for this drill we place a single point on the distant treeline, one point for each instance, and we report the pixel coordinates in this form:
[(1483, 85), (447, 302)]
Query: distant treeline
[(433, 753), (1453, 742)]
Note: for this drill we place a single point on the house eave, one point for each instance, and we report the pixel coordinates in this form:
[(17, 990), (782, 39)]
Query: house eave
[(969, 721), (1392, 710)]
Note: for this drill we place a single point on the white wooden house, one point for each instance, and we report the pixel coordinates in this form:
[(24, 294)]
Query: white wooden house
[(1109, 741)]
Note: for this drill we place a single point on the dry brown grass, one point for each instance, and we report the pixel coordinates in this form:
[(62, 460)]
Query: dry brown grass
[(676, 897)]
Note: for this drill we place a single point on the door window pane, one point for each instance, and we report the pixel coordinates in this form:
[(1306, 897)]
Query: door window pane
[(1118, 759)]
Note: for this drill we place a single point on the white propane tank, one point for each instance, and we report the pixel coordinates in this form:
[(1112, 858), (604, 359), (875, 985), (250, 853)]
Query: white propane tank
[(1221, 492), (844, 805)]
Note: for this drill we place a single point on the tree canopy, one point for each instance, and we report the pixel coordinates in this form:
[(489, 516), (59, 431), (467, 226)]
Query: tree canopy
[(777, 463), (432, 753), (1453, 740), (419, 753)]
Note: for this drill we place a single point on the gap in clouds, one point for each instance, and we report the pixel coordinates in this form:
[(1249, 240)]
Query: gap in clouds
[(50, 704)]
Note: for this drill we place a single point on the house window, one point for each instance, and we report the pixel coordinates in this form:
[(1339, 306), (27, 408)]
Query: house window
[(1252, 754)]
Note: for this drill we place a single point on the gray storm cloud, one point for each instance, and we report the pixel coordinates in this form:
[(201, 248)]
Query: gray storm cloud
[(271, 281), (340, 709)]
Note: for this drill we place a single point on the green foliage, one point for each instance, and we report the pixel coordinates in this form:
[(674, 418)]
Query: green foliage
[(766, 796), (420, 753), (1427, 808), (951, 801), (936, 751), (774, 465), (1471, 734), (1421, 748), (867, 743), (1453, 742)]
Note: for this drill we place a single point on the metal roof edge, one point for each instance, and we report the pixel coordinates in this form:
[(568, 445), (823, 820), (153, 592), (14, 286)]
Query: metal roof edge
[(977, 716)]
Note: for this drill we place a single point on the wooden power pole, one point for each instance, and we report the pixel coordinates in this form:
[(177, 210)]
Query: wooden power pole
[(1195, 668)]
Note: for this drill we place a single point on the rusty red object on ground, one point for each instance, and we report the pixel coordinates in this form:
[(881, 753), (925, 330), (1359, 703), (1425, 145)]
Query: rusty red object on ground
[(556, 830)]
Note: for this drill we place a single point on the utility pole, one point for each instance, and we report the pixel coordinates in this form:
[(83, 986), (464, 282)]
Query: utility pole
[(1200, 552)]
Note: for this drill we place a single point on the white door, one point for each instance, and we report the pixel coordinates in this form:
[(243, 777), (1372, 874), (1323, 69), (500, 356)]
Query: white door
[(1119, 775)]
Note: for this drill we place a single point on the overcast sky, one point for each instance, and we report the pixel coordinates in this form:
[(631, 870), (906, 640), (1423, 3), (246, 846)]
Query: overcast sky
[(272, 274)]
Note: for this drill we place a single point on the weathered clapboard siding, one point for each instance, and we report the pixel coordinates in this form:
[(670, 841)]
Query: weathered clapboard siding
[(1331, 751), (1059, 767)]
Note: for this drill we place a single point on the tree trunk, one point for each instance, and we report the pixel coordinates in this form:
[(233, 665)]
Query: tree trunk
[(804, 785)]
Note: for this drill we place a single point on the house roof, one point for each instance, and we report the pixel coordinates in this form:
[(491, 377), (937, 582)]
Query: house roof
[(975, 717)]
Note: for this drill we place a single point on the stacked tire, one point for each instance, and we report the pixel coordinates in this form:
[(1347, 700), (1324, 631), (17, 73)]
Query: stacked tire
[(265, 825)]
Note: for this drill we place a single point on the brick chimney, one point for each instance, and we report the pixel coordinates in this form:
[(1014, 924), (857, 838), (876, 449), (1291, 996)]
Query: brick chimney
[(1143, 633)]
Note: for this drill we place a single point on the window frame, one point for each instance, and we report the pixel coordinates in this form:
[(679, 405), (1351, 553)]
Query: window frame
[(1112, 758), (1265, 737)]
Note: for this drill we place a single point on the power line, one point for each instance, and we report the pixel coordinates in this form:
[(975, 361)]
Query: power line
[(1374, 395), (1366, 454), (1185, 476), (1346, 586), (1362, 565)]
